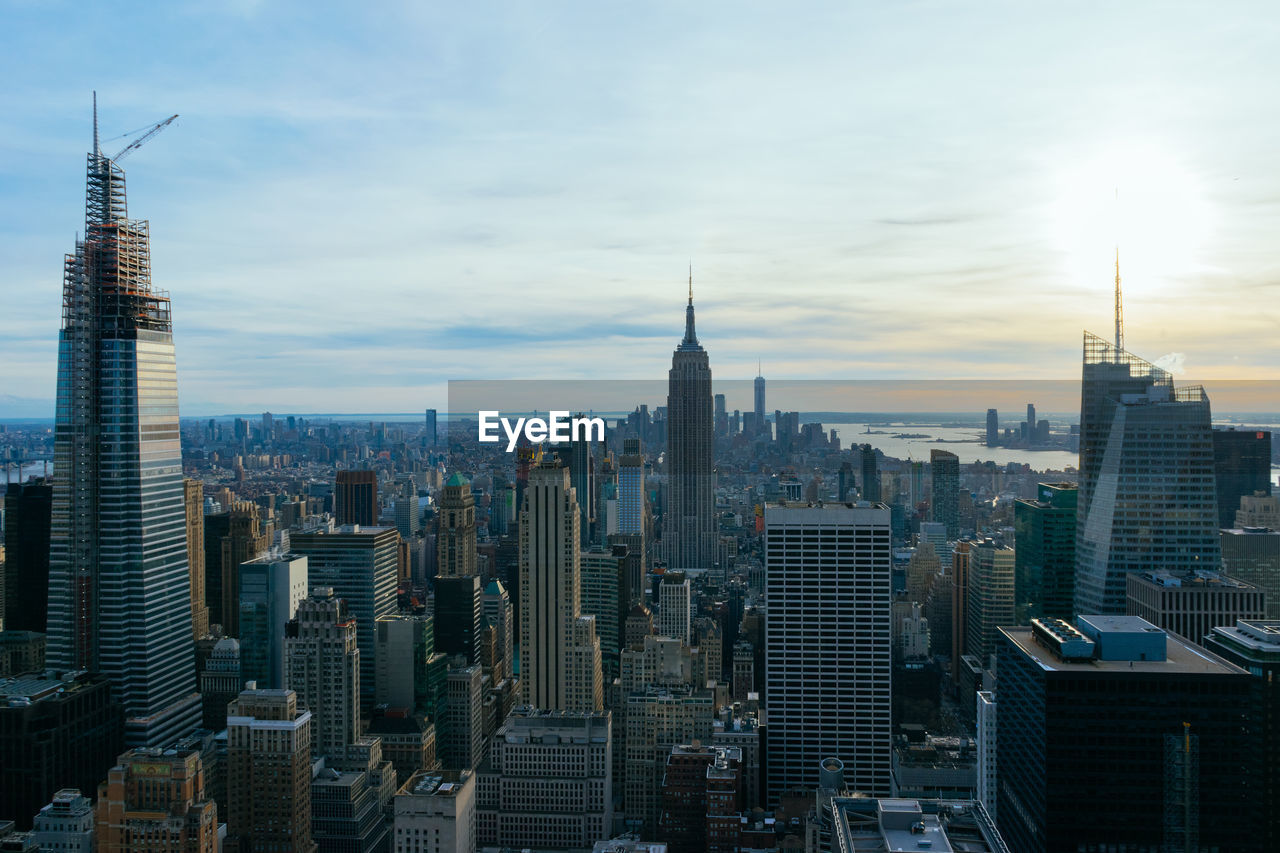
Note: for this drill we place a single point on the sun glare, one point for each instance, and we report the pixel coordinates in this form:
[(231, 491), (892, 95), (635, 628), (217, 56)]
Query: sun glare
[(1137, 197)]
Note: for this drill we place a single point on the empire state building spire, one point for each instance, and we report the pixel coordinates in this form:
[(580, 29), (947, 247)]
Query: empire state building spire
[(690, 342)]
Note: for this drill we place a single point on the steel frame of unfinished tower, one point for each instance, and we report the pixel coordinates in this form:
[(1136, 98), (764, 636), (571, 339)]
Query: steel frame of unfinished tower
[(118, 593)]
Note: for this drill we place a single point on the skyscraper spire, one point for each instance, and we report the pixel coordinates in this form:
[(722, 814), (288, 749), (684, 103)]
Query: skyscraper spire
[(1119, 307), (97, 150), (690, 341), (1119, 300)]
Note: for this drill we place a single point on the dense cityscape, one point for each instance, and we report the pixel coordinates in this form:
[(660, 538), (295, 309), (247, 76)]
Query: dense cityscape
[(662, 615)]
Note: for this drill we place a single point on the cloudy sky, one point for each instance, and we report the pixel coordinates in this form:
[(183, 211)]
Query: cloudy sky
[(361, 202)]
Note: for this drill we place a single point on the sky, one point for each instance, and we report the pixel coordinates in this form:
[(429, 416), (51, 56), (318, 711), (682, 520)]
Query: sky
[(361, 202)]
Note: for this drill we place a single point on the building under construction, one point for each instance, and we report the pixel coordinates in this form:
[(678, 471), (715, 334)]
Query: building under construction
[(119, 598)]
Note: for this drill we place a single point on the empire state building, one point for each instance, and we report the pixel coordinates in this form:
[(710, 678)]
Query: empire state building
[(690, 530)]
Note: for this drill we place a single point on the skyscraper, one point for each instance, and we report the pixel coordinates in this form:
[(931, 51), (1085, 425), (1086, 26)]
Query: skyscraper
[(432, 435), (631, 497), (355, 498), (990, 591), (945, 468), (993, 428), (1241, 468), (762, 425), (674, 607), (26, 563), (155, 800), (828, 667), (271, 588), (1147, 498), (269, 773), (119, 595), (359, 565), (1045, 572), (576, 456), (690, 523), (870, 474), (193, 502), (323, 668), (1089, 759), (456, 536), (559, 650), (242, 542)]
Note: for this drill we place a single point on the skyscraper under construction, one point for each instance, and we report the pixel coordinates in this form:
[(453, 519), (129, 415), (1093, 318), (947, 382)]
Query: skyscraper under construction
[(119, 591)]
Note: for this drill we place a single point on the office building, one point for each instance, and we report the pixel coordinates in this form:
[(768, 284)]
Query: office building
[(870, 474), (118, 585), (435, 812), (559, 651), (359, 565), (1258, 510), (657, 718), (355, 498), (675, 602), (462, 740), (54, 733), (322, 661), (840, 556), (1252, 555), (25, 566), (21, 652), (1099, 729), (496, 612), (193, 503), (993, 428), (1191, 604), (351, 800), (268, 773), (1241, 468), (1146, 498), (271, 588), (631, 493), (456, 536), (604, 597), (944, 467), (689, 530), (990, 591), (432, 437), (1045, 552), (155, 800), (987, 751), (406, 658), (1254, 645), (547, 782), (240, 540), (701, 799), (220, 683), (408, 516), (65, 825), (458, 608), (577, 457)]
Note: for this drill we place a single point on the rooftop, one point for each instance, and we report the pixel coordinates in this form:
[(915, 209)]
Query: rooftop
[(1199, 580), (35, 686), (1257, 635), (866, 825), (1180, 656)]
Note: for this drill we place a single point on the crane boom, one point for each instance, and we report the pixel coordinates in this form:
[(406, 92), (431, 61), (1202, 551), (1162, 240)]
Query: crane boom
[(141, 140)]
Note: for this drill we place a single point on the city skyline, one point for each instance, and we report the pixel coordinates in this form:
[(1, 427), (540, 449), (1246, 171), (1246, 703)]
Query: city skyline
[(486, 163)]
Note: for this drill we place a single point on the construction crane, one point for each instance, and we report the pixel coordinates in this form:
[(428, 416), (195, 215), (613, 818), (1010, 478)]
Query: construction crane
[(137, 143)]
